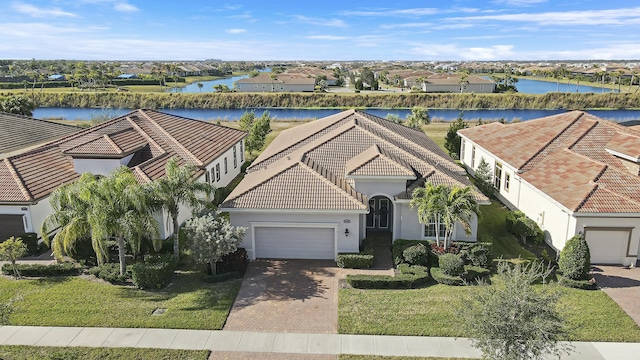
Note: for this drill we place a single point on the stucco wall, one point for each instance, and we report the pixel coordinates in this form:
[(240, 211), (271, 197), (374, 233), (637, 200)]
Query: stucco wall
[(232, 171), (371, 188), (349, 243), (410, 227)]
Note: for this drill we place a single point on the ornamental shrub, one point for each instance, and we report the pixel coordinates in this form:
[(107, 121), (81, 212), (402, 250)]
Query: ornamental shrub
[(416, 255), (355, 261), (575, 259), (478, 254), (110, 272), (400, 245), (511, 218), (451, 264), (39, 270), (577, 284), (154, 275), (438, 275), (410, 277)]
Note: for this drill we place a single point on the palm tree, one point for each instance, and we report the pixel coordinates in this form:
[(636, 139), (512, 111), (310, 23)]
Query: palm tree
[(449, 205), (179, 186), (69, 215), (120, 208), (200, 85)]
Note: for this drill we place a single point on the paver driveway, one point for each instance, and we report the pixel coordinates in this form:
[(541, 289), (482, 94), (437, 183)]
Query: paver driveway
[(622, 285), (297, 296)]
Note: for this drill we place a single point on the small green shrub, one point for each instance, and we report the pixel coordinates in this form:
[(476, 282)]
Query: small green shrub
[(478, 254), (416, 255), (451, 264), (110, 272), (510, 219), (438, 275), (31, 240), (575, 259), (577, 284), (400, 245), (154, 273), (355, 261), (37, 270)]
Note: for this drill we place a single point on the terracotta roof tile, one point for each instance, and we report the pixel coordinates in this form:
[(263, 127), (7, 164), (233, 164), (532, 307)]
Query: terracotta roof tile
[(372, 162), (625, 144), (604, 201), (155, 137)]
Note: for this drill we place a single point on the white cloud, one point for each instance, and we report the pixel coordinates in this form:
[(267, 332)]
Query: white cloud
[(38, 12), (567, 18), (456, 52), (391, 12), (236, 31), (407, 25), (326, 37), (124, 7), (520, 2), (319, 22)]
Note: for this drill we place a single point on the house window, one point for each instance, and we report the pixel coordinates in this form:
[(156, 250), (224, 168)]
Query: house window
[(217, 172), (507, 181), (430, 229), (241, 151), (235, 157), (473, 157), (207, 177), (462, 150), (226, 169), (497, 176), (213, 175)]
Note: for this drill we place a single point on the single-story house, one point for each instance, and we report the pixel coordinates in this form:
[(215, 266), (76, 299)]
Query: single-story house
[(452, 83), (144, 140), (57, 77), (321, 187), (572, 173), (127, 76), (20, 133), (264, 82)]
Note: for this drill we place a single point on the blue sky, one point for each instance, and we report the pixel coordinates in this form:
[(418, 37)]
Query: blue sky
[(320, 30)]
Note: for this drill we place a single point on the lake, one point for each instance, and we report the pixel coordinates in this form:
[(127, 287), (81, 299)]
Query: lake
[(207, 86), (288, 113), (527, 86)]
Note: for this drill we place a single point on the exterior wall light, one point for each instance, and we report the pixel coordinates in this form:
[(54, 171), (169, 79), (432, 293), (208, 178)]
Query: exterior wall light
[(346, 232)]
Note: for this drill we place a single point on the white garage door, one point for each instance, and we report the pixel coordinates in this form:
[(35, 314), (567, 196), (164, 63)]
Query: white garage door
[(294, 243), (607, 246)]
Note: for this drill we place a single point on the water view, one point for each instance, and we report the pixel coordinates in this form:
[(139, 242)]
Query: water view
[(288, 113), (527, 86)]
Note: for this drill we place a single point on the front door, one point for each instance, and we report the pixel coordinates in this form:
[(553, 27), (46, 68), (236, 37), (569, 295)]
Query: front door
[(379, 216)]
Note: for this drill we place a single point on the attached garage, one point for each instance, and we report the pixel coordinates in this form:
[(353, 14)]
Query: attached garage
[(294, 242), (609, 245), (10, 225)]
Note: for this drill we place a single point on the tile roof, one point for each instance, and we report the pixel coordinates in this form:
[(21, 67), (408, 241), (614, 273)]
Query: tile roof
[(153, 138), (566, 157), (331, 149), (17, 131)]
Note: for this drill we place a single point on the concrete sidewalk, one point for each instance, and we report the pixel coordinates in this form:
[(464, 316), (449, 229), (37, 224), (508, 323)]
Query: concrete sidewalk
[(279, 343)]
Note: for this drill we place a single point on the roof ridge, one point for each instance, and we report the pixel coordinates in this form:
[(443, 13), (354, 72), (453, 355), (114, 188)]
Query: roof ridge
[(18, 180), (175, 142), (113, 143), (548, 144), (595, 123), (326, 176), (584, 200), (145, 135), (142, 173)]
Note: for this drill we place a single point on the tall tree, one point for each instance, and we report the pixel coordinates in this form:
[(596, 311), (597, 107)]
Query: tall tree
[(513, 319), (417, 118), (452, 140), (449, 205), (258, 132), (178, 186)]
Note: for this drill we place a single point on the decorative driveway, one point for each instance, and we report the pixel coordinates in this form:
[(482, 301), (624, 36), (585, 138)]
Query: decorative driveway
[(297, 296), (622, 285)]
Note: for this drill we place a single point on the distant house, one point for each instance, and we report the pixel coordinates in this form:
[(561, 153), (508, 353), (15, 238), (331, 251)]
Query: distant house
[(143, 140), (280, 83), (451, 83), (572, 173), (127, 76), (57, 77)]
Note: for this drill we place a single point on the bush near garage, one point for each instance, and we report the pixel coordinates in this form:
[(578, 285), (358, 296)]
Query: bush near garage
[(362, 260), (409, 277)]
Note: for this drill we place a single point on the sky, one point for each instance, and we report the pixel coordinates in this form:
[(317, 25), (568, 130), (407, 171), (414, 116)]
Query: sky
[(467, 30)]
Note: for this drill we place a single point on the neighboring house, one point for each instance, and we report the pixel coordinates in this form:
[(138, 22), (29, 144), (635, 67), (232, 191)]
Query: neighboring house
[(572, 173), (143, 140), (279, 83), (57, 77), (127, 76), (322, 187), (20, 133), (452, 83)]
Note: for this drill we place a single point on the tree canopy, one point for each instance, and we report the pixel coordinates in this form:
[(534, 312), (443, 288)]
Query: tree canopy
[(418, 117), (18, 104)]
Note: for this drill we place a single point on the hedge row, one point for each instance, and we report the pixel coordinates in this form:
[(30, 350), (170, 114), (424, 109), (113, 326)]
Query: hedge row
[(577, 284), (37, 270), (361, 260), (410, 277)]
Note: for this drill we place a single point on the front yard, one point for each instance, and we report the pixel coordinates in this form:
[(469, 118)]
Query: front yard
[(591, 315), (74, 301)]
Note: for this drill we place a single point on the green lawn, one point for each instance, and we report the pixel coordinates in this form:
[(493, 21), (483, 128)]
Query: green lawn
[(60, 353), (430, 311), (74, 301), (492, 223)]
